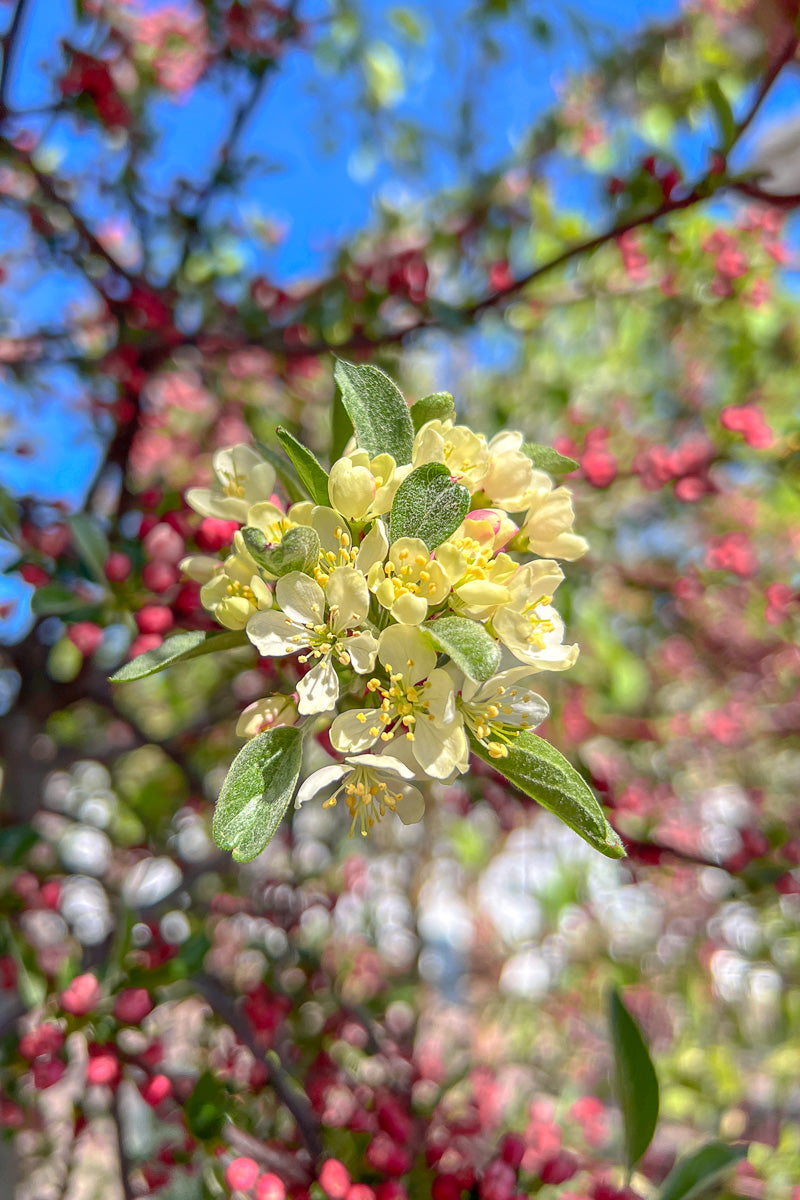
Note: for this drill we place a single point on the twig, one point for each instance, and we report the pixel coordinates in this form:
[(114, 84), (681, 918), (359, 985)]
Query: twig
[(124, 1163), (297, 1103), (9, 44)]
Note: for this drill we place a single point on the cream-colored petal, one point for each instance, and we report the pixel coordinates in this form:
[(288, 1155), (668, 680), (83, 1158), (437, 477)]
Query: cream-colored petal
[(200, 567), (383, 762), (215, 504), (350, 734), (373, 549), (440, 695), (320, 781), (411, 808), (408, 609), (301, 598), (363, 650), (318, 691), (274, 634), (348, 598), (406, 649), (440, 749)]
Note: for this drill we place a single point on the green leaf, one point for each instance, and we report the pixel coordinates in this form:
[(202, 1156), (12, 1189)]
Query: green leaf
[(636, 1081), (177, 649), (257, 791), (298, 550), (205, 1107), (91, 543), (429, 504), (469, 645), (548, 459), (722, 111), (341, 427), (538, 770), (54, 599), (377, 409), (693, 1174), (9, 514), (436, 407), (312, 474)]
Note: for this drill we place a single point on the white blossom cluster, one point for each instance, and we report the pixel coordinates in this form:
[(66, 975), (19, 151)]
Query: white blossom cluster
[(363, 616)]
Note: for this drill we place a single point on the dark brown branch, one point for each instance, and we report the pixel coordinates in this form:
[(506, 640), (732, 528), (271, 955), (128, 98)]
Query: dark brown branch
[(296, 1102), (9, 43), (124, 1165)]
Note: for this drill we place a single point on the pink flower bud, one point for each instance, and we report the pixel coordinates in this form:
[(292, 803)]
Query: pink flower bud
[(490, 527), (241, 1173), (270, 1187), (103, 1066), (81, 996), (164, 543), (132, 1005), (155, 1090), (154, 618), (86, 636), (334, 1179), (118, 567)]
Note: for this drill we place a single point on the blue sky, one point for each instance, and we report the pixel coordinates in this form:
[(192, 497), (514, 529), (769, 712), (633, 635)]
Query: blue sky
[(320, 197)]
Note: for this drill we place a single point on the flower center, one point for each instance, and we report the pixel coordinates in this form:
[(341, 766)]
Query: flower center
[(539, 625), (399, 701), (343, 556), (367, 799)]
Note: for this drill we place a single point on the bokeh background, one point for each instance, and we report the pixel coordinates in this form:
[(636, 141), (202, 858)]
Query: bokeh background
[(580, 220)]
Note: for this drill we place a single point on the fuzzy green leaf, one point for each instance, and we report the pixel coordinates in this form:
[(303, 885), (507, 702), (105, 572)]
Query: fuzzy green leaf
[(257, 791), (694, 1173), (538, 770), (91, 543), (469, 645), (55, 599), (178, 648), (312, 474), (285, 472), (548, 459), (376, 407), (439, 406), (636, 1081), (298, 550), (429, 504)]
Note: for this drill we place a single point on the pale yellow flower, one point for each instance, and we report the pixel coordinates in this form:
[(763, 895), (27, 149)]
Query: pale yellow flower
[(266, 714), (371, 785), (409, 582), (528, 624), (361, 488), (243, 479), (236, 590)]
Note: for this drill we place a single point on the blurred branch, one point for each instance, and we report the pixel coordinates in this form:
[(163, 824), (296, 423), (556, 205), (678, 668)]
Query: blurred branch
[(294, 1100), (124, 1164), (9, 44)]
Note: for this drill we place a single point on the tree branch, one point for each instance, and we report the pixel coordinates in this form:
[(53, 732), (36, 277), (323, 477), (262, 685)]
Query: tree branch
[(124, 1164), (297, 1103)]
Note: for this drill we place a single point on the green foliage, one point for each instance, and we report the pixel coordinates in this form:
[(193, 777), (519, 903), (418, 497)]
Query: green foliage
[(538, 770), (206, 1107), (439, 406), (379, 414), (469, 645), (548, 459), (90, 542), (298, 550), (257, 792), (697, 1171), (429, 504), (312, 474), (54, 599), (636, 1081), (178, 648)]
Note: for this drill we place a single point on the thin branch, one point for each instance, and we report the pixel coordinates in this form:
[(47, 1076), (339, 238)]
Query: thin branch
[(124, 1163), (297, 1103), (9, 43), (782, 59)]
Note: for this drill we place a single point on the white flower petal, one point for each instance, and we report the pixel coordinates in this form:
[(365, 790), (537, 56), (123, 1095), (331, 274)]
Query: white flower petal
[(407, 650), (349, 735), (363, 650), (301, 598), (318, 691), (373, 549), (274, 634), (440, 749), (319, 780), (383, 762), (347, 593), (409, 609), (411, 808)]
